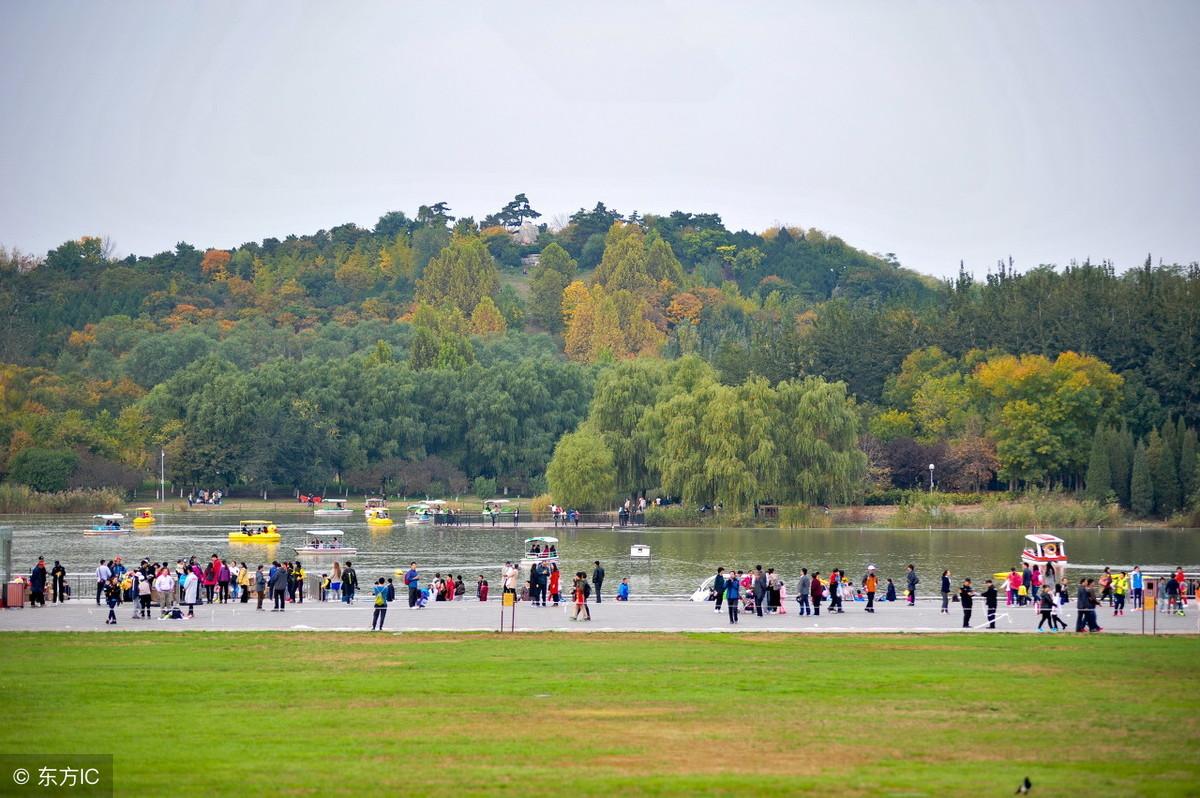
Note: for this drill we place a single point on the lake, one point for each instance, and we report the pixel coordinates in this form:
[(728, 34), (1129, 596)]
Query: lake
[(680, 559)]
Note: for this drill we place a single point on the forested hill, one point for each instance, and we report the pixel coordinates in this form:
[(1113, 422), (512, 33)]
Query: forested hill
[(434, 350)]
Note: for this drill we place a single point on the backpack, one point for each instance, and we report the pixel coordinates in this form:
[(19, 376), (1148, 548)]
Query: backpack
[(379, 600), (587, 590)]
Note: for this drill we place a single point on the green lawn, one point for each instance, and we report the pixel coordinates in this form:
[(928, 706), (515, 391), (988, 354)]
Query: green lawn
[(356, 714)]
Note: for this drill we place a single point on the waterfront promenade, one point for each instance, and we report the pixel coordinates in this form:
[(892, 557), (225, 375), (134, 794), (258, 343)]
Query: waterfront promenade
[(609, 616)]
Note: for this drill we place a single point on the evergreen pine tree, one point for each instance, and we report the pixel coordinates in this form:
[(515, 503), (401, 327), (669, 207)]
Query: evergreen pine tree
[(1120, 461), (1164, 471), (1099, 474), (1188, 477), (1141, 490)]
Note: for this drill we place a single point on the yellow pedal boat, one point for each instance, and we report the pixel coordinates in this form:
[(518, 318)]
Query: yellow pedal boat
[(256, 531), (144, 516)]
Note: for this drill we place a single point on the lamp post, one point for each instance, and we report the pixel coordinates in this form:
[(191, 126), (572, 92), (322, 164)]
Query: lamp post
[(931, 477), (162, 475)]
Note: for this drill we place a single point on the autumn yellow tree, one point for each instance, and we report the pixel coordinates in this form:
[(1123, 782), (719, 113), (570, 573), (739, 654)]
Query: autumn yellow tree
[(486, 319)]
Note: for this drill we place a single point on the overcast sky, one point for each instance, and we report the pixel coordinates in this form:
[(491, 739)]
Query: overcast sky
[(940, 131)]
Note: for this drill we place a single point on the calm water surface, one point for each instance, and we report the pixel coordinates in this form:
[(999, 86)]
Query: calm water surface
[(681, 558)]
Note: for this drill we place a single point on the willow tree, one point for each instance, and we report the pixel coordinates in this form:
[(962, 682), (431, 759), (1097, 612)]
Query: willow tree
[(817, 438), (624, 393), (581, 473)]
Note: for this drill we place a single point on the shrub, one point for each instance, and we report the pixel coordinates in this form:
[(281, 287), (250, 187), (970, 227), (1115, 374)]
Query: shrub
[(484, 487), (22, 499)]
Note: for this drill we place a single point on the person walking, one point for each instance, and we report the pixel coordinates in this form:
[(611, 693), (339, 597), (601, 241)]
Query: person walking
[(946, 591), (37, 584), (1083, 606), (555, 586), (733, 597), (597, 580), (190, 594), (966, 597), (804, 592), (103, 572), (912, 580), (719, 587), (164, 583), (58, 580), (381, 599), (834, 591), (580, 591), (1046, 608), (243, 582), (990, 598), (818, 590), (223, 579), (1120, 587), (870, 585), (112, 597), (412, 580), (349, 582), (260, 587), (278, 582), (143, 588), (760, 590)]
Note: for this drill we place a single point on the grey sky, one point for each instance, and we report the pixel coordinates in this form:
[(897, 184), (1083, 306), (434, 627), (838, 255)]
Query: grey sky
[(939, 131)]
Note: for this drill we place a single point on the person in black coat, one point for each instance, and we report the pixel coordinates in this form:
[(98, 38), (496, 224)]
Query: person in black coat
[(58, 576), (719, 587), (597, 579), (965, 596), (37, 584), (990, 597)]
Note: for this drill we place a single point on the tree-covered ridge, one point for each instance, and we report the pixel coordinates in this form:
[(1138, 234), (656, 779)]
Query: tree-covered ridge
[(1005, 381)]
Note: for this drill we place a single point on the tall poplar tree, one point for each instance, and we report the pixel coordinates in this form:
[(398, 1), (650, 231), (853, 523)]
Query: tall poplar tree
[(1099, 472)]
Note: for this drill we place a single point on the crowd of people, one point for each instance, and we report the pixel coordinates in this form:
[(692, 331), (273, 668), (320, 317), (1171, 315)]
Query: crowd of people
[(1043, 588), (205, 497), (177, 588)]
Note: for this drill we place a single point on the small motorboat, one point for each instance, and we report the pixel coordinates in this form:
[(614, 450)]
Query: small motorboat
[(108, 524), (324, 545), (144, 516), (339, 508), (1046, 549), (540, 550), (256, 531)]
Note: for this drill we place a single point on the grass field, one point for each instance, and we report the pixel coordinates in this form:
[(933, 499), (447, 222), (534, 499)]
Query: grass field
[(468, 714)]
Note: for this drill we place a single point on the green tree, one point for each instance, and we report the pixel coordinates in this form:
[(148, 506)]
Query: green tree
[(1141, 489), (1164, 474), (582, 473), (1120, 461), (1189, 479), (42, 469), (554, 272), (461, 275), (1099, 473)]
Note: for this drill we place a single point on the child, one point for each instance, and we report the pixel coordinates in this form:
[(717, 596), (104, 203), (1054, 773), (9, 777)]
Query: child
[(326, 586), (890, 595), (1119, 586), (623, 589), (481, 588), (782, 609)]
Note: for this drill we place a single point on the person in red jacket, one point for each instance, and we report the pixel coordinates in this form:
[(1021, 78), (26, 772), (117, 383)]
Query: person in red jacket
[(555, 576)]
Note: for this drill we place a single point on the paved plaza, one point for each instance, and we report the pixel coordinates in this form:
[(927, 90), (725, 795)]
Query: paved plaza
[(609, 616)]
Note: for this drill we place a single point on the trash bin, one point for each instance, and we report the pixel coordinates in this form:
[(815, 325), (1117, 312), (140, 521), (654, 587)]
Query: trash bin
[(14, 594)]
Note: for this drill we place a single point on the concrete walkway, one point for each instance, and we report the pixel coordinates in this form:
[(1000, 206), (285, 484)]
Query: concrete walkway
[(610, 616)]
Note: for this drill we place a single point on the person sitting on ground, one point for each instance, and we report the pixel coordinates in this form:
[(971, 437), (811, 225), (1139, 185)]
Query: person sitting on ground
[(623, 589)]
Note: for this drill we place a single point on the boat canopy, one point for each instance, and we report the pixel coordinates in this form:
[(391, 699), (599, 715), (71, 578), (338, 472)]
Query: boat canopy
[(1043, 538), (497, 501), (110, 517), (338, 502), (325, 533), (434, 502), (256, 521), (144, 509), (551, 541)]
